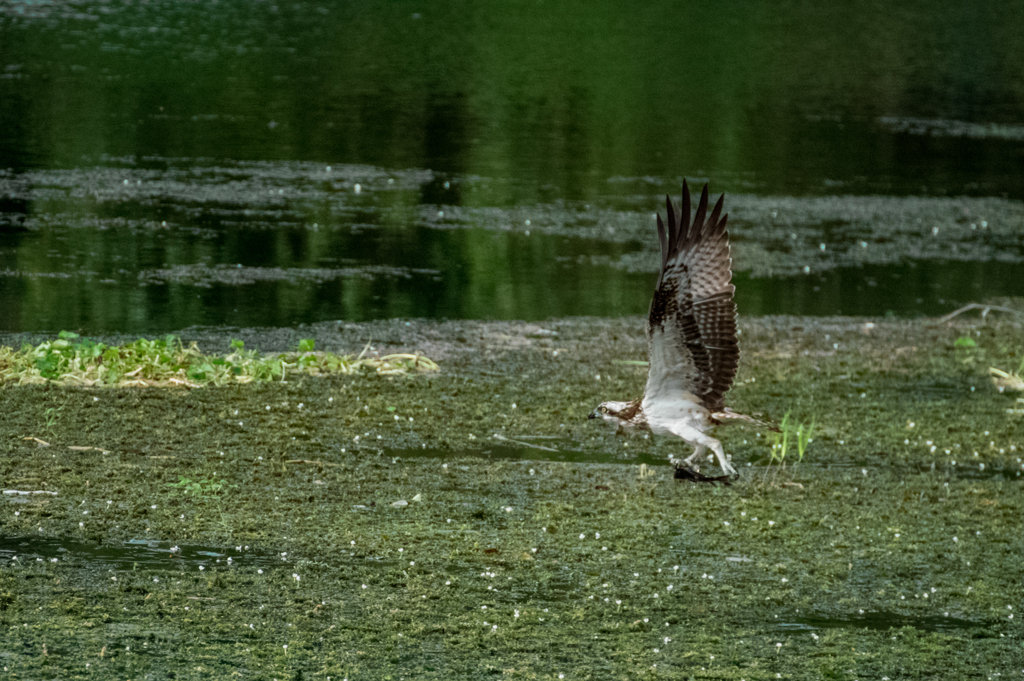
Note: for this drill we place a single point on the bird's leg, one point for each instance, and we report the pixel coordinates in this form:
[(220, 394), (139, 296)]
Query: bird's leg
[(690, 461), (701, 440)]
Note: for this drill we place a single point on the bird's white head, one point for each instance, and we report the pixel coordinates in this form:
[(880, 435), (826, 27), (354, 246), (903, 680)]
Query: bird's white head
[(619, 413)]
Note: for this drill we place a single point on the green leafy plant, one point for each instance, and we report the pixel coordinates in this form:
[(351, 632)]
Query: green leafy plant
[(968, 351), (166, 361), (804, 434), (789, 431)]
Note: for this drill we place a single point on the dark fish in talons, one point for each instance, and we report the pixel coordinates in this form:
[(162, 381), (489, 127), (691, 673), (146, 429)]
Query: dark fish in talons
[(687, 473)]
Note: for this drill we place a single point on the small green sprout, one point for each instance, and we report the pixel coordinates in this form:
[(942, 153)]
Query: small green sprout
[(800, 433), (804, 435), (51, 415)]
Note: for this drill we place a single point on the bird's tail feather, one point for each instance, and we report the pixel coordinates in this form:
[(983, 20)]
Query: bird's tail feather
[(728, 415)]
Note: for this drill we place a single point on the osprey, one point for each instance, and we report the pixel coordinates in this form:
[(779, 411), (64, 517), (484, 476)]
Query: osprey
[(691, 336)]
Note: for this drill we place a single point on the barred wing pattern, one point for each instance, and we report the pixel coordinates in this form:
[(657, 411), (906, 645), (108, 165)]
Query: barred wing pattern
[(691, 327)]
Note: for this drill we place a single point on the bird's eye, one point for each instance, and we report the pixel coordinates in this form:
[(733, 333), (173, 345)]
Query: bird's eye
[(603, 410)]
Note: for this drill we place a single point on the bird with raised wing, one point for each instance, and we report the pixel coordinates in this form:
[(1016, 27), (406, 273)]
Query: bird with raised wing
[(691, 336)]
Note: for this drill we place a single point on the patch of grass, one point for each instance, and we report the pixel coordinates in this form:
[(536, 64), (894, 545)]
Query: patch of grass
[(73, 360)]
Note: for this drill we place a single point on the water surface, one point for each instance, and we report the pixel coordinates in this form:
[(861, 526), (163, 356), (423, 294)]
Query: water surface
[(167, 163)]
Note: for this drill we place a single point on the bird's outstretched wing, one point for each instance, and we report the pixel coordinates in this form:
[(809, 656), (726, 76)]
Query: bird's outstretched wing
[(691, 327)]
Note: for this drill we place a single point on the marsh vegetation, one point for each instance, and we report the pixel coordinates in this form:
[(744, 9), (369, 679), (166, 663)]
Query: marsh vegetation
[(375, 525)]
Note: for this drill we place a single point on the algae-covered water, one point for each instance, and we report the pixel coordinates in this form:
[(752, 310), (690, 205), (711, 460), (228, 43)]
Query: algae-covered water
[(471, 523)]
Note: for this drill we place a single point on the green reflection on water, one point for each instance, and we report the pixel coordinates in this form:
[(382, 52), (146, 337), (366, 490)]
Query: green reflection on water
[(784, 97), (529, 106)]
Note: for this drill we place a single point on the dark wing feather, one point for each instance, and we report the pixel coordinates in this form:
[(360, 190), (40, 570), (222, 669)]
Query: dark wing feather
[(691, 326)]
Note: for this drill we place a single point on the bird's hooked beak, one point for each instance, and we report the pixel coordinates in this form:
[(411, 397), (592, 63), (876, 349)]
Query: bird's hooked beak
[(592, 415)]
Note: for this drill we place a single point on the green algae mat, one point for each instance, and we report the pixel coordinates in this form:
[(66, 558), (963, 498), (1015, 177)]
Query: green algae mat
[(469, 522)]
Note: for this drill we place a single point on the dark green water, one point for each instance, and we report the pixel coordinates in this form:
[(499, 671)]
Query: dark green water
[(497, 160)]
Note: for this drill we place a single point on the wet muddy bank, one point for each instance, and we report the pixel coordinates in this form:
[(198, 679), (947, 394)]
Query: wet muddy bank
[(220, 525)]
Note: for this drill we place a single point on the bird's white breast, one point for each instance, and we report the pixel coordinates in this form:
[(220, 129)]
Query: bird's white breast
[(667, 409)]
